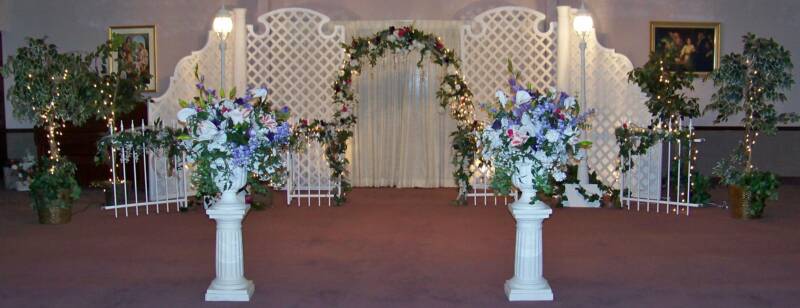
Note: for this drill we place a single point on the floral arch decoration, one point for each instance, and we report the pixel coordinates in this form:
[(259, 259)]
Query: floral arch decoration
[(453, 94)]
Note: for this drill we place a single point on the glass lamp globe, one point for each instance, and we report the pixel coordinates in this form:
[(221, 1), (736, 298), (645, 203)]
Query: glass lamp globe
[(583, 22), (223, 23)]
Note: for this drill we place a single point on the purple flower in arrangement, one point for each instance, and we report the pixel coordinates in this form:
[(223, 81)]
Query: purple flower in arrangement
[(285, 109), (200, 86), (522, 108), (562, 97), (497, 124), (283, 132), (512, 82), (241, 155), (582, 117)]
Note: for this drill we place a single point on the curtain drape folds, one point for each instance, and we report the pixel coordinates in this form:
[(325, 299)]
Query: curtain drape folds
[(402, 138)]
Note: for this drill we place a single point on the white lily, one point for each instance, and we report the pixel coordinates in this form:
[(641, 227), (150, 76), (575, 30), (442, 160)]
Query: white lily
[(501, 96), (235, 115), (569, 102), (523, 97), (185, 113), (259, 93), (219, 142), (207, 131)]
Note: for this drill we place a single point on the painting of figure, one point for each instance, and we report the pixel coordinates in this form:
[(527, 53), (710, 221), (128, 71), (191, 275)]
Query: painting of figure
[(136, 51), (694, 44)]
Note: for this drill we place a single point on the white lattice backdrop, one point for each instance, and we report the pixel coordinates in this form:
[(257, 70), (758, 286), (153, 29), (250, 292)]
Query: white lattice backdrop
[(497, 35), (614, 100), (182, 84), (297, 57)]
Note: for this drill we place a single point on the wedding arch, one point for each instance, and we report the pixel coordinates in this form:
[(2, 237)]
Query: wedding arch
[(453, 94)]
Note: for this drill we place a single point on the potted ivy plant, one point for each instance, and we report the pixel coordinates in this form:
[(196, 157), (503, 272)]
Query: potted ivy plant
[(54, 190), (49, 90), (750, 84)]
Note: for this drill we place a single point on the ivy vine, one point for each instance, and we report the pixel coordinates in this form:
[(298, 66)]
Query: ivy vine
[(453, 94)]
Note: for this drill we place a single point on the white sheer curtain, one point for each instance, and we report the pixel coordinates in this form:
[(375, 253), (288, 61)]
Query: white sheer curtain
[(402, 138)]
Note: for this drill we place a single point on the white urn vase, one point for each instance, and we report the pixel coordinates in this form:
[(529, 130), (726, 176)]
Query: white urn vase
[(230, 283), (528, 283)]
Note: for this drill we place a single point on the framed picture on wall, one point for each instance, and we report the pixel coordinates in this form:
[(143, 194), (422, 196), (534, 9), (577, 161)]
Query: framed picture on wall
[(697, 44), (137, 50)]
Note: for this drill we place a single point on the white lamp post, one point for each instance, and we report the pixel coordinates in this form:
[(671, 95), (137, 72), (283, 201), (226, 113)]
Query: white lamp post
[(223, 25), (582, 24), (229, 211)]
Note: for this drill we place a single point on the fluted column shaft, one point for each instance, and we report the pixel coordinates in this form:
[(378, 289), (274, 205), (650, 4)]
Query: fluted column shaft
[(230, 283), (528, 283)]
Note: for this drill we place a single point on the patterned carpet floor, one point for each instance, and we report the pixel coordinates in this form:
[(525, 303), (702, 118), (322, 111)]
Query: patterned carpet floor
[(401, 248)]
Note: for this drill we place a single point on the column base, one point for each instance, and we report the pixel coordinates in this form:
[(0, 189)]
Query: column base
[(535, 292), (241, 293), (576, 199)]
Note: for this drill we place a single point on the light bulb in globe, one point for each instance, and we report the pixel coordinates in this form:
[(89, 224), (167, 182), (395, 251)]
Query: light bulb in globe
[(583, 22), (223, 23)]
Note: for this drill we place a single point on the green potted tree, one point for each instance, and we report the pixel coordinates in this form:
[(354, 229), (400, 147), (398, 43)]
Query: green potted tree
[(749, 84), (49, 90)]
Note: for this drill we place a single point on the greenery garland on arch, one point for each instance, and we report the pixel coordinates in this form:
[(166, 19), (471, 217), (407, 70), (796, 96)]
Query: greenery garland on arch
[(453, 94)]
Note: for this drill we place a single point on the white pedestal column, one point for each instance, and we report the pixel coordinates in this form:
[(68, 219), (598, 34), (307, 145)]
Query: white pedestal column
[(528, 283), (230, 283)]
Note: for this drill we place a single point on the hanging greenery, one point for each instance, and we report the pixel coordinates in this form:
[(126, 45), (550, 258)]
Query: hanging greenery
[(156, 138), (634, 141), (453, 94), (665, 82)]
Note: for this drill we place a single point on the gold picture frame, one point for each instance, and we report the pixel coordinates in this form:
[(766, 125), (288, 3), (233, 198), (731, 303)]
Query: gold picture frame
[(142, 43), (698, 43)]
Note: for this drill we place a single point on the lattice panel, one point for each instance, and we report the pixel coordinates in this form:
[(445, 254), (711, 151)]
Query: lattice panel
[(504, 33), (297, 57), (182, 84), (614, 99)]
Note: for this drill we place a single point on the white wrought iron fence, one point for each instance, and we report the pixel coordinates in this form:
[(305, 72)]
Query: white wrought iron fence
[(482, 193), (144, 177), (308, 184), (661, 179)]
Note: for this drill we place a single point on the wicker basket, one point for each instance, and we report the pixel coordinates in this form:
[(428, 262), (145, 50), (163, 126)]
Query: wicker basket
[(739, 204), (54, 215)]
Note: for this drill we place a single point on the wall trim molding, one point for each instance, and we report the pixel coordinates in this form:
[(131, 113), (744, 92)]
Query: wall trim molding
[(740, 128), (16, 130)]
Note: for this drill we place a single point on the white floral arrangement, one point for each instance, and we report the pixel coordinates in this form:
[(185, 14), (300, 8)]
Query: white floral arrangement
[(23, 169), (542, 129), (228, 132)]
